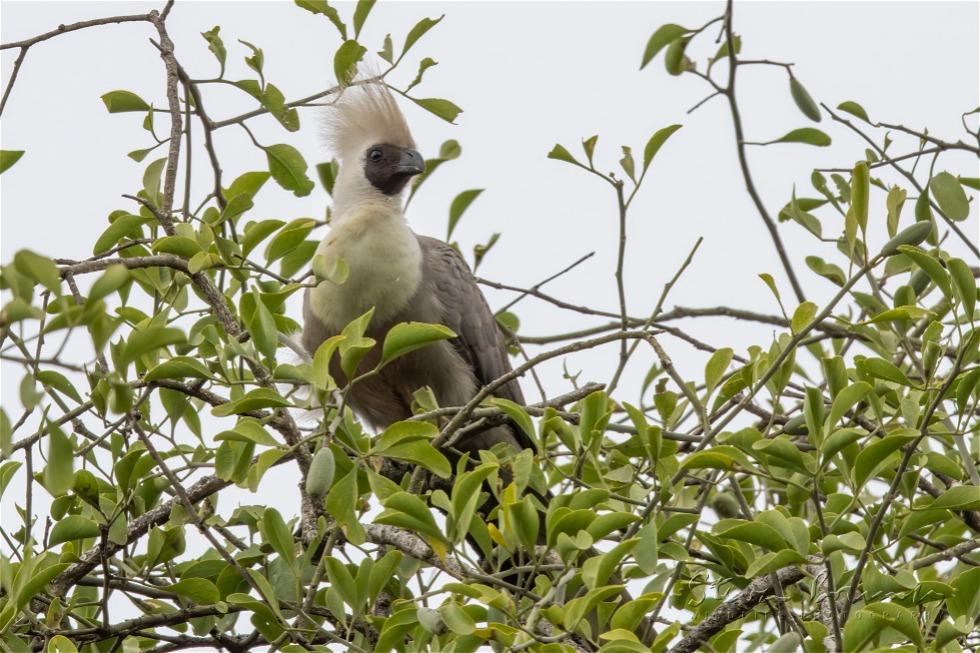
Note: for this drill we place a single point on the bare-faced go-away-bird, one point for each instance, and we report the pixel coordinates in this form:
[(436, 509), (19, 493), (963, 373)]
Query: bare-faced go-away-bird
[(403, 276)]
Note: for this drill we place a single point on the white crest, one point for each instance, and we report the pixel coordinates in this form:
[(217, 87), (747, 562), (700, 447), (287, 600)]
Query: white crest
[(365, 114)]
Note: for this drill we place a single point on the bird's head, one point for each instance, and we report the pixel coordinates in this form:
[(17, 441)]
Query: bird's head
[(368, 133)]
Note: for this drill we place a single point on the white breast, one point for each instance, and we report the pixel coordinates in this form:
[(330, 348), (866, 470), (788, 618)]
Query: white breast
[(383, 257)]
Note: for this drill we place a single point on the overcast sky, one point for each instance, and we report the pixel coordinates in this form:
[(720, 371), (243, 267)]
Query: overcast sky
[(528, 75)]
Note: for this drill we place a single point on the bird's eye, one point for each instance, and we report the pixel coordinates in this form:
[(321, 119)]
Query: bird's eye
[(375, 155)]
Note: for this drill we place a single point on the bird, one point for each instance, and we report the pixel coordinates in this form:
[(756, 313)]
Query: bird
[(406, 277), (403, 277)]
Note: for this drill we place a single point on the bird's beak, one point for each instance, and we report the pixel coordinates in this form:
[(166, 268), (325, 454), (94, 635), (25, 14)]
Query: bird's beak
[(410, 163)]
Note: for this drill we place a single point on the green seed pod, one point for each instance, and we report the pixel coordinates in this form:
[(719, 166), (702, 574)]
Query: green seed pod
[(909, 236), (803, 100), (674, 57), (320, 477), (796, 426), (726, 506)]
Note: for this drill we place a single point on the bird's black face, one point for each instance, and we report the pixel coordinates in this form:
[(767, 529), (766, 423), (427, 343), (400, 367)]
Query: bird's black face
[(389, 167)]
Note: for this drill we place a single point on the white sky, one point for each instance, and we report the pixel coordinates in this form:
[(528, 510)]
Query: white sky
[(528, 75)]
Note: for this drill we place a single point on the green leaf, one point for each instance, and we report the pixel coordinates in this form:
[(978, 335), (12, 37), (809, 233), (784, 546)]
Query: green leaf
[(771, 562), (59, 472), (422, 453), (465, 501), (114, 278), (288, 168), (965, 285), (883, 369), (960, 497), (178, 367), (860, 186), (457, 619), (442, 108), (342, 581), (361, 12), (459, 205), (894, 202), (408, 511), (216, 46), (323, 8), (854, 109), (179, 245), (769, 281), (387, 50), (803, 316), (517, 414), (9, 158), (38, 268), (826, 270), (262, 326), (403, 431), (122, 101), (409, 336), (73, 527), (844, 401), (256, 232), (713, 458), (277, 535), (716, 366), (199, 590), (966, 601), (123, 225), (253, 400), (929, 264), (56, 380), (901, 313), (656, 142), (950, 196), (327, 174), (248, 430), (288, 238), (273, 100), (756, 533), (663, 36), (838, 440), (345, 61), (561, 154), (61, 644), (806, 135), (874, 457), (342, 504), (149, 339), (418, 31), (6, 448), (899, 618), (803, 101)]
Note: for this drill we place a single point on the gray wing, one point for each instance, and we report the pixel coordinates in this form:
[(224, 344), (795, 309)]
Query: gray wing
[(466, 312)]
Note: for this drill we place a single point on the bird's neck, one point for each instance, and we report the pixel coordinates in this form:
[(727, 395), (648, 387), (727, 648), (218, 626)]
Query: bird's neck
[(383, 258), (352, 193)]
